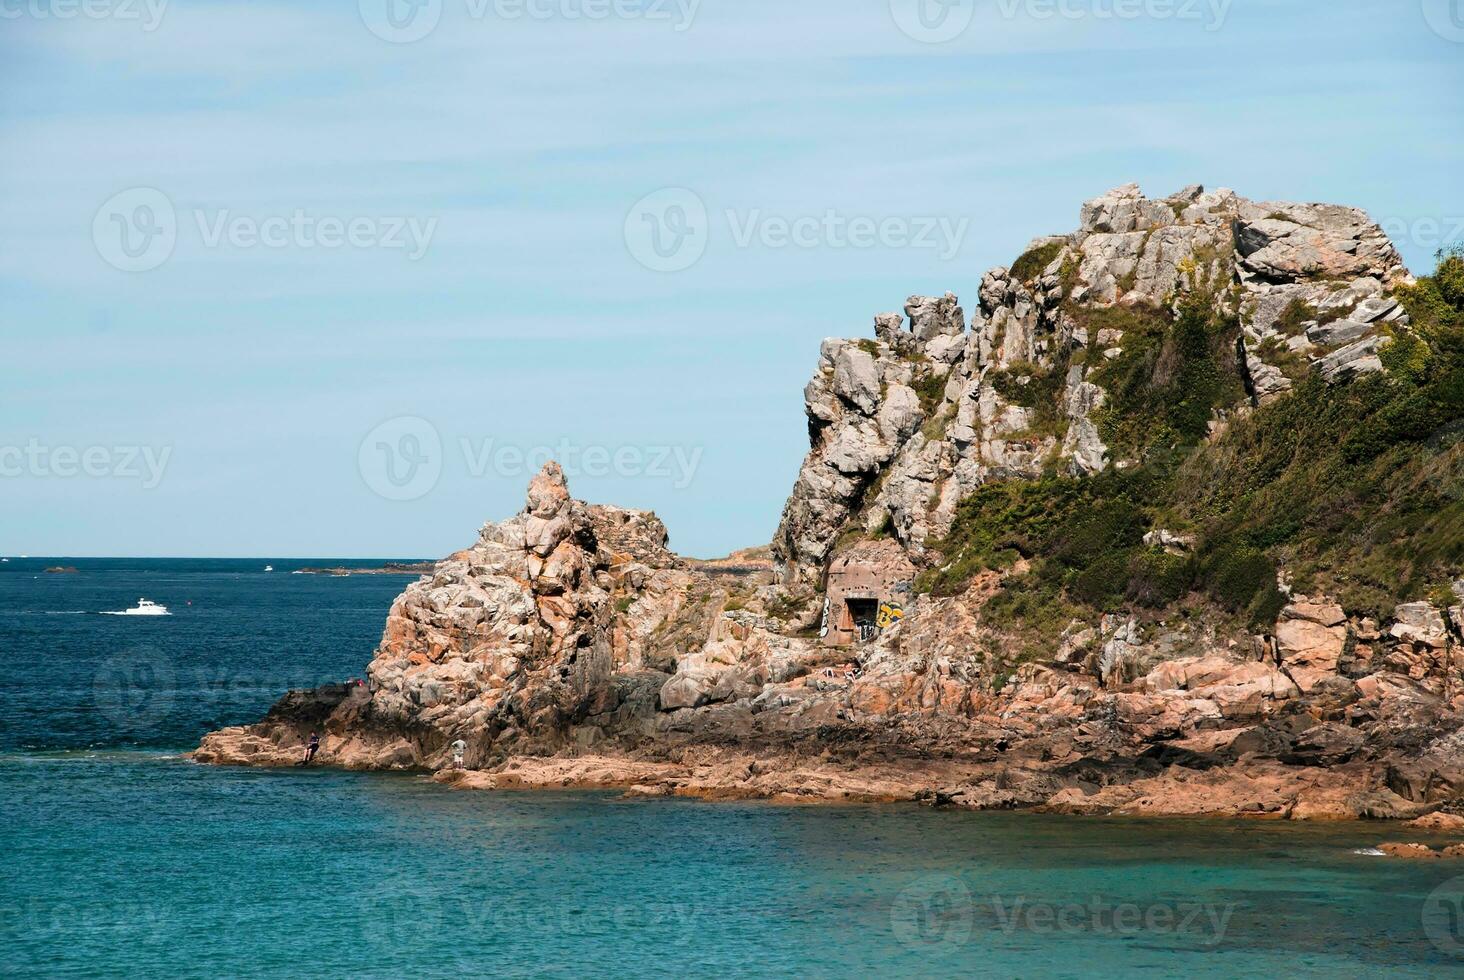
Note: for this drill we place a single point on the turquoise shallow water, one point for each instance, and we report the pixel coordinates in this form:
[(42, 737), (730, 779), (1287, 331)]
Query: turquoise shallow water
[(120, 859), (133, 863)]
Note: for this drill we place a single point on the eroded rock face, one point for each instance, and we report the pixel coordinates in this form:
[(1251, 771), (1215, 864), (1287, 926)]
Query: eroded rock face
[(568, 624), (904, 426)]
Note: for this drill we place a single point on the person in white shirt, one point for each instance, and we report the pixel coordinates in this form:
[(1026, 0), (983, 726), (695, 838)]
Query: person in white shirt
[(458, 748)]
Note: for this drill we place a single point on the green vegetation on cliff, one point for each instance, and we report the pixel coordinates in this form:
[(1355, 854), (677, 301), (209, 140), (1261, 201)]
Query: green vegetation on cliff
[(1029, 264), (1171, 376), (1356, 489)]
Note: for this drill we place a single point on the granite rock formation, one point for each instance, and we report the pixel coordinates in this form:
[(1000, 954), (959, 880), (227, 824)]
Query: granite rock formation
[(569, 646)]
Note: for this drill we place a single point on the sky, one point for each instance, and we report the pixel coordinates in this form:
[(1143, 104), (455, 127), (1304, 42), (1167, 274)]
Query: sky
[(297, 278)]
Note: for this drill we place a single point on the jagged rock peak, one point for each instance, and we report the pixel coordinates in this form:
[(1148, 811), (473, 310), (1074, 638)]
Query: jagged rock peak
[(548, 491), (901, 429)]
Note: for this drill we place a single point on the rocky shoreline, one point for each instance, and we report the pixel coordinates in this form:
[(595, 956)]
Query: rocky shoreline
[(860, 658)]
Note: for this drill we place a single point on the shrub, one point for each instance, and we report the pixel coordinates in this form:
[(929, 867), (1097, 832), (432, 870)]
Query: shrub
[(1240, 575), (1164, 388), (1031, 262), (1101, 584), (1110, 525), (1449, 276), (1296, 313), (1157, 578), (1038, 390), (931, 391)]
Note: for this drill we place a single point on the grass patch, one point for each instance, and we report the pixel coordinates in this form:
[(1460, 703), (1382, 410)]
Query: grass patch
[(1031, 263)]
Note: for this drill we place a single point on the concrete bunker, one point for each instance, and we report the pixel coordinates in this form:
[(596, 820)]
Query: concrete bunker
[(865, 589)]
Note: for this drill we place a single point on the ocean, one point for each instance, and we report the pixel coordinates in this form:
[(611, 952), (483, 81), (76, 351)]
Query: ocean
[(123, 859)]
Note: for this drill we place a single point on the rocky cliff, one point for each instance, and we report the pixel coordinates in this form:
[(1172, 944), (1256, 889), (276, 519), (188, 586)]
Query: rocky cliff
[(1176, 524), (906, 426)]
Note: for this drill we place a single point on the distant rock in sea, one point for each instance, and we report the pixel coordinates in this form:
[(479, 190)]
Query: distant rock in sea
[(390, 568)]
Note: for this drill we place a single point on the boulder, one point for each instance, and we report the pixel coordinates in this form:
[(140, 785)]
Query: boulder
[(932, 317), (690, 689), (1418, 623), (856, 379), (1357, 358), (1448, 822), (1279, 241), (1306, 643), (1326, 744)]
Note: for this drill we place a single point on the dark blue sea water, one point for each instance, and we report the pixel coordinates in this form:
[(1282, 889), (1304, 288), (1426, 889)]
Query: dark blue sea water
[(122, 859)]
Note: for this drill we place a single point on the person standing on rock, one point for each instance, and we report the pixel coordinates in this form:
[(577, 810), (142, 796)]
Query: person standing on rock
[(311, 747), (458, 748)]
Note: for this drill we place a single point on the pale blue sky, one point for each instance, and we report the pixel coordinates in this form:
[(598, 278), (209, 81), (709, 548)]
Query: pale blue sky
[(527, 320)]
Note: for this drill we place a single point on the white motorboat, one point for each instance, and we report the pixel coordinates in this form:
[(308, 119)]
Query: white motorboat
[(144, 607), (269, 568)]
